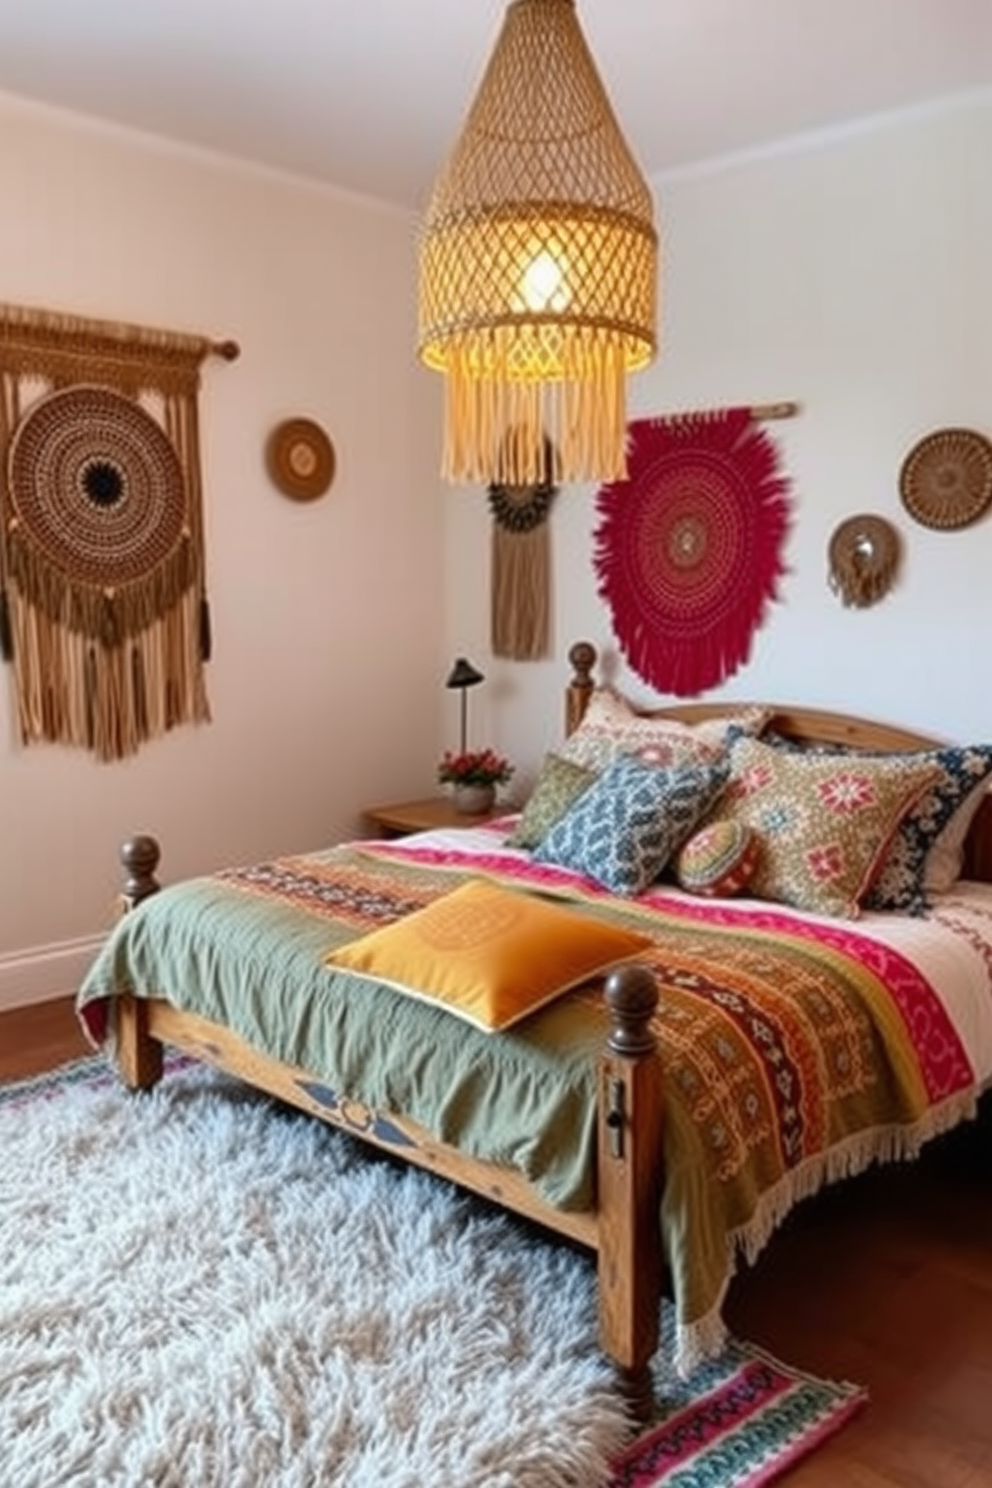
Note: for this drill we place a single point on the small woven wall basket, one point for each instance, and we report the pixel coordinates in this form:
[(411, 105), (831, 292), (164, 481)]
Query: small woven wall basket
[(946, 479)]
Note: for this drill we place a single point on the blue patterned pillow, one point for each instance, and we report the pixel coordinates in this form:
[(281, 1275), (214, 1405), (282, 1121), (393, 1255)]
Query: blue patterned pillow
[(901, 883), (625, 827)]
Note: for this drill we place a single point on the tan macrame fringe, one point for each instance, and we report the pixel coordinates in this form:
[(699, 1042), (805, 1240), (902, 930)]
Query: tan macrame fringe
[(97, 668), (109, 617), (521, 569), (110, 700), (582, 413)]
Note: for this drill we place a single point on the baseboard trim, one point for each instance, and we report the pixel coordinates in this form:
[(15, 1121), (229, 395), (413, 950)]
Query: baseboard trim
[(45, 972)]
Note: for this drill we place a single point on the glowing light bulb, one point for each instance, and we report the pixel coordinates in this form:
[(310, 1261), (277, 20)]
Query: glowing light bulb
[(543, 285)]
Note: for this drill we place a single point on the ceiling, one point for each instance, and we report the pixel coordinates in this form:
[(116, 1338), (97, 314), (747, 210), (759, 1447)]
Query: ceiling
[(369, 94)]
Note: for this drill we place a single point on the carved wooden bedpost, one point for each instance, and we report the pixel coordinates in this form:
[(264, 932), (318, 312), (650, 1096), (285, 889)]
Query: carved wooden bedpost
[(139, 1056), (629, 1180), (583, 658)]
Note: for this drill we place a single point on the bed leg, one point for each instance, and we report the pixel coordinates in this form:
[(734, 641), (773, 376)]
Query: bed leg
[(139, 1056), (630, 1266)]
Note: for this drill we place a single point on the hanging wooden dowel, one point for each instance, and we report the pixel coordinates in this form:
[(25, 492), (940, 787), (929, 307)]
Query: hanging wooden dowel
[(774, 410), (229, 350), (756, 411)]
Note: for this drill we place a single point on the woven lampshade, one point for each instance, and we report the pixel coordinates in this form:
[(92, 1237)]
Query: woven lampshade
[(538, 265)]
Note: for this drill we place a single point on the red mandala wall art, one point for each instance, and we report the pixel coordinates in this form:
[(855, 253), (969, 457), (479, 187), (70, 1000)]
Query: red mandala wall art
[(688, 549)]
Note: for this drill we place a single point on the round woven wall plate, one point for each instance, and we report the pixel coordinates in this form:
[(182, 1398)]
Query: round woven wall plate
[(946, 479), (97, 484), (300, 459)]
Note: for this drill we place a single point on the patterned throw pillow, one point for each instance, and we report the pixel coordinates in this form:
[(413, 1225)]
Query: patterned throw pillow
[(825, 821), (926, 851), (610, 726), (558, 785), (719, 859), (625, 827), (922, 842)]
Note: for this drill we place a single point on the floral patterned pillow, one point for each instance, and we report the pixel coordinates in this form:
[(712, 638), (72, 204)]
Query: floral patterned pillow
[(925, 854), (622, 831), (825, 821), (558, 785), (610, 726)]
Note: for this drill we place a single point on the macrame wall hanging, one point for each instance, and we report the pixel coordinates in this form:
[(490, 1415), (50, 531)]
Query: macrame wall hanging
[(521, 567), (103, 605), (688, 549)]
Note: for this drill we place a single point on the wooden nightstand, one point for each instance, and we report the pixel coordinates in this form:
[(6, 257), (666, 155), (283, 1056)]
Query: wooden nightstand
[(421, 816)]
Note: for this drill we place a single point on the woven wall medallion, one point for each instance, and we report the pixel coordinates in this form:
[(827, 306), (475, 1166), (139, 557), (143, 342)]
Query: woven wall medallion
[(688, 550), (863, 557), (300, 459), (946, 479), (97, 488)]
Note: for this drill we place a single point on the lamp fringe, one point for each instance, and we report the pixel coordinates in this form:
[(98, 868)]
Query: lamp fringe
[(582, 416)]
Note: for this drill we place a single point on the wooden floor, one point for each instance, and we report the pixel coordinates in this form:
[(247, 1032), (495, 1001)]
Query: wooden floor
[(886, 1281)]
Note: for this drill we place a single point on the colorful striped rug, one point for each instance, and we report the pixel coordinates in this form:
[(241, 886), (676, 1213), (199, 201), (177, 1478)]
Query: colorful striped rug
[(738, 1422)]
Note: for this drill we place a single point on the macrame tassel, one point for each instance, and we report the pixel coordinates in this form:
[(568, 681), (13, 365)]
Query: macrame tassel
[(110, 616), (6, 637), (521, 567), (206, 631), (74, 690)]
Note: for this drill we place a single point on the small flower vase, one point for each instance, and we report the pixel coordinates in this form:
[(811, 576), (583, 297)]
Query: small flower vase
[(473, 800)]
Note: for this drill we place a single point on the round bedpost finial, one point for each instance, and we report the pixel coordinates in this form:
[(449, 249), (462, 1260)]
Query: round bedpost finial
[(580, 688), (632, 996), (583, 658), (140, 856)]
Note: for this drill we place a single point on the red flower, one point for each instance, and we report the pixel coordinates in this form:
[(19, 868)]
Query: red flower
[(474, 767)]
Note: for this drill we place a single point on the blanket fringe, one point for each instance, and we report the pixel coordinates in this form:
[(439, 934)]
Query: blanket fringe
[(705, 1337)]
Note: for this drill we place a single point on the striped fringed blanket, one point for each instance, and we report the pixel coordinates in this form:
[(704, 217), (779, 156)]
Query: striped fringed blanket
[(795, 1051)]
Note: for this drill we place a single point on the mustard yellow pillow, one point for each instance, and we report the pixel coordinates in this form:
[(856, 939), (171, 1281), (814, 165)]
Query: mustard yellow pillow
[(489, 954)]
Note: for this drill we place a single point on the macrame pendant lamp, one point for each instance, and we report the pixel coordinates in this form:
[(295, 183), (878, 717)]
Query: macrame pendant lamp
[(538, 265)]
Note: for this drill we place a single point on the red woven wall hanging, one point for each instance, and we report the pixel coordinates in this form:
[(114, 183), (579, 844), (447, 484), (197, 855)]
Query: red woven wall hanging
[(688, 549)]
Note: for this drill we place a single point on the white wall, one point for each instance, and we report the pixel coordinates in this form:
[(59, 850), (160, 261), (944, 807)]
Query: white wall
[(851, 272), (326, 678)]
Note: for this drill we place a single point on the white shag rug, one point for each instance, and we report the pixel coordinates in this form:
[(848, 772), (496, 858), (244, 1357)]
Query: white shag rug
[(201, 1289)]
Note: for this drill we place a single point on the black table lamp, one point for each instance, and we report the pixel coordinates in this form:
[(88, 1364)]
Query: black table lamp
[(464, 675)]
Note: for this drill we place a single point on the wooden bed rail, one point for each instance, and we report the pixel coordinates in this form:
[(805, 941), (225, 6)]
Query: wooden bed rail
[(623, 1228)]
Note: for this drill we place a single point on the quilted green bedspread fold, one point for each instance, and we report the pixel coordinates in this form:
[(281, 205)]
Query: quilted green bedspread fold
[(247, 949)]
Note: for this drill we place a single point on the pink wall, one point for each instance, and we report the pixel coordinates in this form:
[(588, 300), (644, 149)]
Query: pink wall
[(327, 617)]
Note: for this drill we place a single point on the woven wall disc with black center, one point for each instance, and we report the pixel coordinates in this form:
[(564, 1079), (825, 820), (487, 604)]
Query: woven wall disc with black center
[(946, 479), (97, 486)]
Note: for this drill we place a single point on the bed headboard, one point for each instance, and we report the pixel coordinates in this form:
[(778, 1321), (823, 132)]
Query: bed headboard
[(811, 725)]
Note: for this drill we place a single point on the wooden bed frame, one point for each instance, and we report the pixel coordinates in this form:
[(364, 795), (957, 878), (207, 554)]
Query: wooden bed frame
[(623, 1227)]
